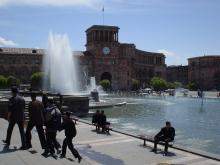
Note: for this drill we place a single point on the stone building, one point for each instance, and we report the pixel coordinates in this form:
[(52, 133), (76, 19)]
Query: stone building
[(20, 62), (177, 74), (205, 72), (105, 58), (120, 62)]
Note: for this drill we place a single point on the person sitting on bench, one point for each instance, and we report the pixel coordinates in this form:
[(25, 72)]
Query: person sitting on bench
[(165, 135), (103, 123), (95, 119)]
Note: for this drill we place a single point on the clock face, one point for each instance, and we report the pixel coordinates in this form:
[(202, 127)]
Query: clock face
[(106, 50)]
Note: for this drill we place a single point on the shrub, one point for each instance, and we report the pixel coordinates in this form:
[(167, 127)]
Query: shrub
[(135, 84), (106, 84), (36, 80), (12, 81), (3, 82), (158, 84), (192, 86)]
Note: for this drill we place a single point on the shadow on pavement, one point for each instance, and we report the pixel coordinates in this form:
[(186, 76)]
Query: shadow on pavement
[(7, 150), (100, 157)]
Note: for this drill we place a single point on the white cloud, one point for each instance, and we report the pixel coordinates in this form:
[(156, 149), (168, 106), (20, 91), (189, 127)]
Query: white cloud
[(88, 3), (173, 58), (167, 53), (5, 42)]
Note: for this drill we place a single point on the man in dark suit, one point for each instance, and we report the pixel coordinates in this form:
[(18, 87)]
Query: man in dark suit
[(36, 119), (165, 135), (15, 116)]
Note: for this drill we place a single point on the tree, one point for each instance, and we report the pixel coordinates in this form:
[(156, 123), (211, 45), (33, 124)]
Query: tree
[(192, 86), (135, 84), (36, 80), (158, 83), (106, 84), (170, 85), (3, 82), (12, 81), (177, 84)]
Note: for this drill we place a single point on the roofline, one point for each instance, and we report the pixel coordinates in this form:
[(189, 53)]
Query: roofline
[(103, 26), (206, 56)]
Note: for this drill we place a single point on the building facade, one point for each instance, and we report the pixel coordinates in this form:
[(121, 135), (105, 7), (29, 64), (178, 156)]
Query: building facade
[(105, 58), (205, 72), (177, 74), (121, 62), (20, 62)]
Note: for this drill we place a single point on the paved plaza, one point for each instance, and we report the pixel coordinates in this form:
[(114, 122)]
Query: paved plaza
[(96, 149)]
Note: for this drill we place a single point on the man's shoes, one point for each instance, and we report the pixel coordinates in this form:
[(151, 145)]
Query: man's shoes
[(22, 148), (6, 147), (165, 153), (62, 156), (154, 150), (58, 151), (45, 154), (28, 146), (79, 159), (54, 155), (4, 141)]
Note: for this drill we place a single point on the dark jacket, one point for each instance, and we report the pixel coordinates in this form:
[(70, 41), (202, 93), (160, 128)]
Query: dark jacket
[(167, 133), (36, 112), (16, 106), (52, 118), (95, 118), (103, 119), (69, 127)]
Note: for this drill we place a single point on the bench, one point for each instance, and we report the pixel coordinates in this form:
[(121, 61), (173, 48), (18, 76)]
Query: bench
[(107, 126), (151, 139)]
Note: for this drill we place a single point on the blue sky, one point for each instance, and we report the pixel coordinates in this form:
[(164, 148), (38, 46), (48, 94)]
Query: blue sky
[(179, 28)]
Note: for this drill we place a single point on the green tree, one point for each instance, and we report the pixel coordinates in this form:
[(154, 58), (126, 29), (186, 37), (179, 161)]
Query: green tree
[(106, 84), (192, 86), (135, 84), (158, 83), (37, 80), (170, 85), (12, 81), (177, 84), (3, 82)]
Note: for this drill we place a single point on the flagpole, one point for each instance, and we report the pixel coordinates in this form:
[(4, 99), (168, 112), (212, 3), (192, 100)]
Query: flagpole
[(103, 16)]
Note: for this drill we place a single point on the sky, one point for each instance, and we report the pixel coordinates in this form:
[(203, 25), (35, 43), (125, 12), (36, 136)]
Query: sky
[(178, 28)]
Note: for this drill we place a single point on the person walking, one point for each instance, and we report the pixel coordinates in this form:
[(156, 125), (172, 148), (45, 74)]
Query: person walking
[(70, 132), (15, 116), (165, 135), (53, 124), (36, 119)]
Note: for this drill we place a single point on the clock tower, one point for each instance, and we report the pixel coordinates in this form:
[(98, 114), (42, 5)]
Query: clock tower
[(104, 48), (102, 41)]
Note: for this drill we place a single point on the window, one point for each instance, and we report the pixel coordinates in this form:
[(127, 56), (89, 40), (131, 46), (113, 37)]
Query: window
[(34, 51)]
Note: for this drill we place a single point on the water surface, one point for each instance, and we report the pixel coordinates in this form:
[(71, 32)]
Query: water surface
[(196, 124)]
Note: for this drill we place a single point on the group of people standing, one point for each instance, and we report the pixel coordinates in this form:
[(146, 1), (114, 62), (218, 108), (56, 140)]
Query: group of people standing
[(42, 115), (99, 120)]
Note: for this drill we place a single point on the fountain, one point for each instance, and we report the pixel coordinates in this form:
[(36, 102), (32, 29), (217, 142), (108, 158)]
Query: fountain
[(93, 88), (60, 67)]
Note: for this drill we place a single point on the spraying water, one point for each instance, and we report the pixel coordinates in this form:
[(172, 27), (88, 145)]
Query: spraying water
[(60, 66)]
